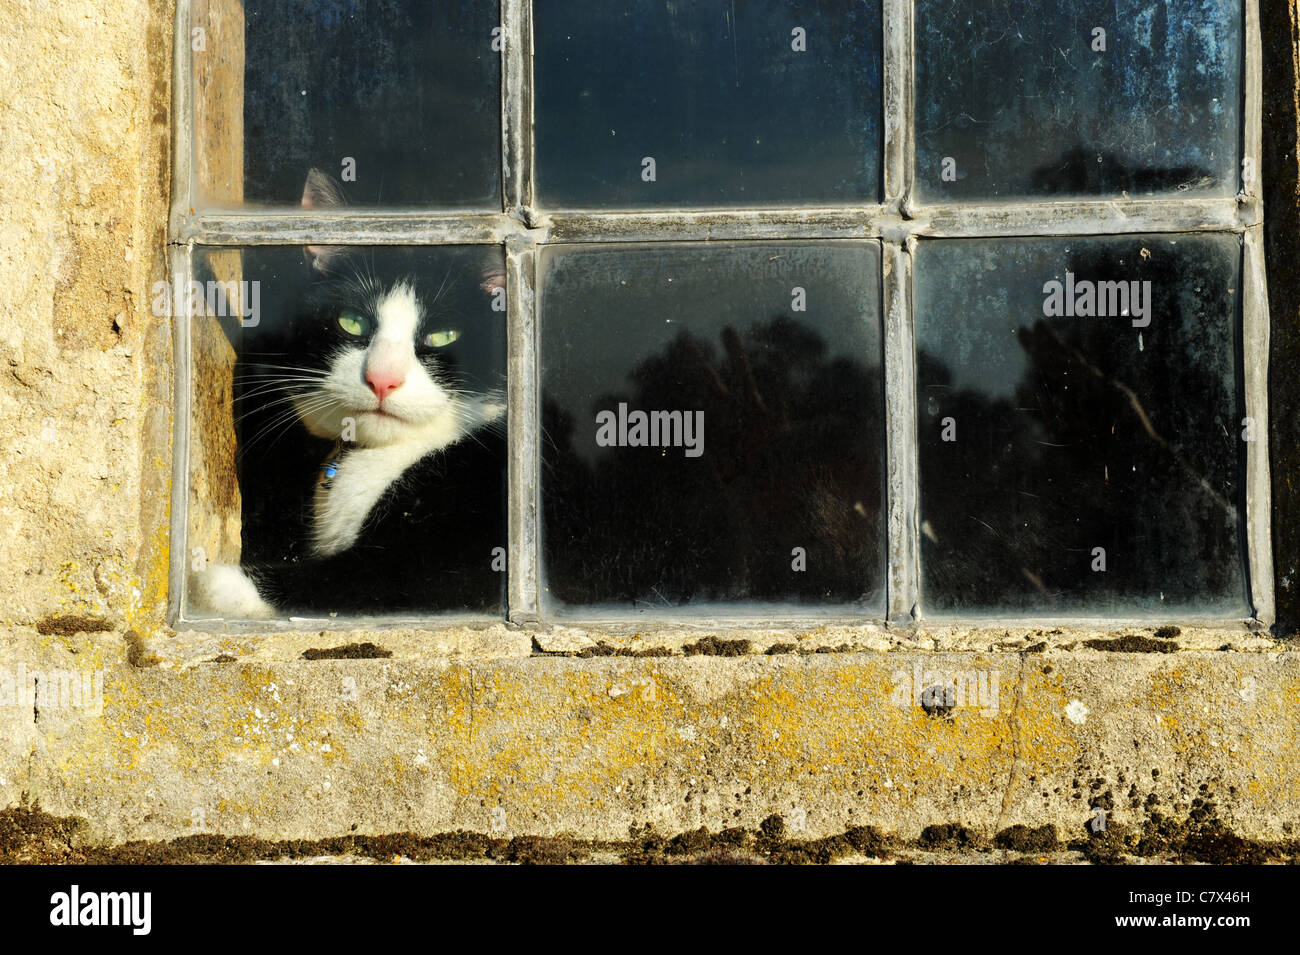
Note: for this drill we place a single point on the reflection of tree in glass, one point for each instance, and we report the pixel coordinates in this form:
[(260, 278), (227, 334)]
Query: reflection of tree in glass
[(1105, 443), (792, 458)]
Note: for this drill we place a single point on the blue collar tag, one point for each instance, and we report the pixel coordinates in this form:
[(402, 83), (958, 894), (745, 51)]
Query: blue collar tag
[(330, 469)]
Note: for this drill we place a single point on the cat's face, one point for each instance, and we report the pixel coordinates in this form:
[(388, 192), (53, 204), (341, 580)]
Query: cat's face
[(387, 362), (393, 348)]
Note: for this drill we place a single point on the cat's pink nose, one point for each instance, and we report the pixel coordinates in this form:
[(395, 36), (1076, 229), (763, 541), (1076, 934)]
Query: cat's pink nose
[(383, 385)]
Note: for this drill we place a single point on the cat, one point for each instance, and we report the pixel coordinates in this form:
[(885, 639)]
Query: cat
[(402, 505)]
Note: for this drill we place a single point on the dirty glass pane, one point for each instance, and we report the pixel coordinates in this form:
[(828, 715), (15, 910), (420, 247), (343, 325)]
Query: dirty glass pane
[(1081, 425), (1097, 97), (712, 426), (362, 470), (737, 104), (399, 100)]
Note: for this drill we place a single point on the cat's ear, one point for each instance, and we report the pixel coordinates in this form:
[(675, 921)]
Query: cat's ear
[(493, 273), (321, 190)]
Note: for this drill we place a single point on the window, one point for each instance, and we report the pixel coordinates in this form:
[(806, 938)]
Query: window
[(873, 311)]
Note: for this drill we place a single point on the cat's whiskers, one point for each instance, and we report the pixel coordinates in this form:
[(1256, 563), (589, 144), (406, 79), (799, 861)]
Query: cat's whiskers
[(442, 287), (305, 369), (271, 393), (288, 417), (365, 283), (255, 380), (293, 399), (272, 376), (279, 424), (468, 409), (281, 417), (272, 388)]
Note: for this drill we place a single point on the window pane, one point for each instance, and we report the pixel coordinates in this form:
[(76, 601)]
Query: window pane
[(737, 104), (712, 422), (400, 100), (1090, 460), (1020, 98), (363, 469)]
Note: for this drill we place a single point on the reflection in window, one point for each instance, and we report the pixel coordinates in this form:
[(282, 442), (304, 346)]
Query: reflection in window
[(648, 103), (1080, 422), (400, 100), (1097, 97), (770, 488), (369, 433)]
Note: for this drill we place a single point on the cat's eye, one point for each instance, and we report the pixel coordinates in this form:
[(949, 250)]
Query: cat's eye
[(353, 324), (440, 339)]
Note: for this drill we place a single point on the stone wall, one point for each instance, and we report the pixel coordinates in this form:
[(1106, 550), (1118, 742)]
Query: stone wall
[(86, 399)]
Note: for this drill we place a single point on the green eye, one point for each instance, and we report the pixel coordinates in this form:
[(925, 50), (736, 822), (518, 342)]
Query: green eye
[(439, 339), (352, 323)]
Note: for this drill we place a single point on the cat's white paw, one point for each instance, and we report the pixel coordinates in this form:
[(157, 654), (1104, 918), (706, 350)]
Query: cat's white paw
[(224, 590)]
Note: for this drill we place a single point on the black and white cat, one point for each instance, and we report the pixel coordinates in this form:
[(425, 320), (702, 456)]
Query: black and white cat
[(399, 502)]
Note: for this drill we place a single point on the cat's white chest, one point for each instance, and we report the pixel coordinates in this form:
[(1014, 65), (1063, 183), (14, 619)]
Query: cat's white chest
[(363, 476)]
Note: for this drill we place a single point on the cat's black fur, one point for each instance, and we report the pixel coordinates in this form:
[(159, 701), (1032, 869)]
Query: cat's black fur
[(426, 546)]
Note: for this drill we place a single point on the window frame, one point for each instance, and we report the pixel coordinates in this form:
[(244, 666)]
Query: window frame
[(897, 223)]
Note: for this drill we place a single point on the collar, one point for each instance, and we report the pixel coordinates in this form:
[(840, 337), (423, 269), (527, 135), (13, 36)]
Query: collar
[(329, 468)]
